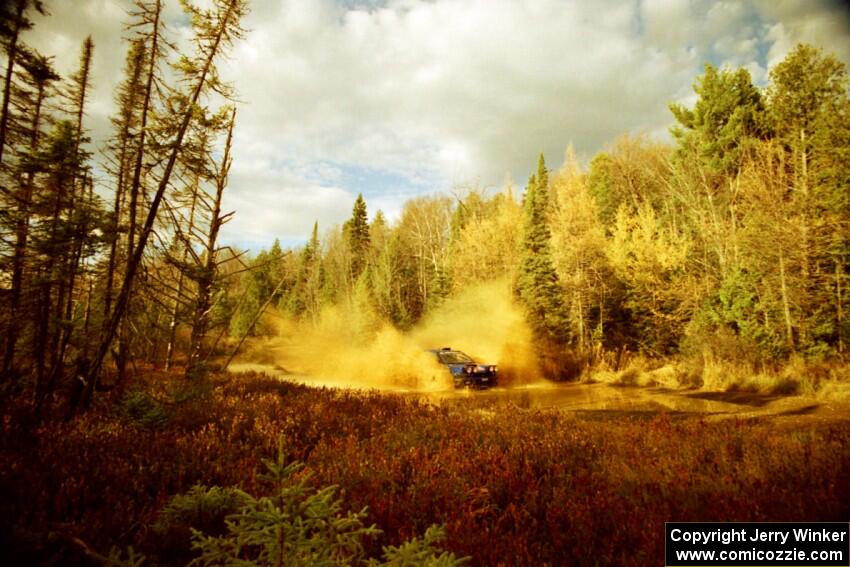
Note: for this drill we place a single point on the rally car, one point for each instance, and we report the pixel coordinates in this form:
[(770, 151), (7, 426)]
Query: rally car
[(464, 370)]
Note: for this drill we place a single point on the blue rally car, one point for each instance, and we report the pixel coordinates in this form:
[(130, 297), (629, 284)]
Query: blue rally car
[(464, 370)]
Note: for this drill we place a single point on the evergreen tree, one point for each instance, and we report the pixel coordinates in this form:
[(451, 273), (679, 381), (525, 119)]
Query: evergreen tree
[(810, 110), (37, 77), (76, 205), (806, 91), (727, 117), (303, 298), (537, 283), (717, 140), (13, 21), (379, 232), (357, 234), (60, 224)]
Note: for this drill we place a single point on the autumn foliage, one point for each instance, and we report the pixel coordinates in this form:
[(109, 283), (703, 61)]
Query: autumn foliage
[(511, 485)]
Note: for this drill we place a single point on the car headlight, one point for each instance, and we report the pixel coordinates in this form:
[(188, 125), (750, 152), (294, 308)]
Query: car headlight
[(494, 369)]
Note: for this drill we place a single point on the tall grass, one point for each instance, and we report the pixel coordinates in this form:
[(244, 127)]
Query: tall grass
[(820, 379), (511, 485)]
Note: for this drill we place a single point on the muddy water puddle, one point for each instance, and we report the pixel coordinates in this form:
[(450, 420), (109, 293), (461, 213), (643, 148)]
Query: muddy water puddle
[(604, 401)]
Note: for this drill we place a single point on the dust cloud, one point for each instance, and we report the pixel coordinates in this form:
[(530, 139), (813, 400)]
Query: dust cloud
[(350, 347), (484, 322)]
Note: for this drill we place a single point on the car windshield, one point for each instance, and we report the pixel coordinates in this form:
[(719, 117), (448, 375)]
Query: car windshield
[(453, 357)]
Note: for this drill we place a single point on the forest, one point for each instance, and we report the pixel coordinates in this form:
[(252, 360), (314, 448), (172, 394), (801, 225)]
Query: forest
[(726, 252), (730, 246), (721, 257)]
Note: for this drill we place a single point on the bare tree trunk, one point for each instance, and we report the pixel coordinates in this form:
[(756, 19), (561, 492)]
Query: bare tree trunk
[(785, 305), (839, 309), (51, 340), (127, 113), (205, 283), (581, 332), (40, 345), (172, 325), (113, 247), (805, 238), (87, 318), (135, 187), (181, 280), (124, 294)]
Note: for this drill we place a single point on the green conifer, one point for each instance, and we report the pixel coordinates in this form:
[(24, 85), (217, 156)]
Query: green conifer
[(357, 234), (537, 282)]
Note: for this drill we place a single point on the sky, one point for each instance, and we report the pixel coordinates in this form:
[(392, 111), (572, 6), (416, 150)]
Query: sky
[(399, 98)]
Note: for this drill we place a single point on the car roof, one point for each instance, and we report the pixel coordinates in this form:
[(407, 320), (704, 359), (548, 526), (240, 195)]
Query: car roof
[(447, 350)]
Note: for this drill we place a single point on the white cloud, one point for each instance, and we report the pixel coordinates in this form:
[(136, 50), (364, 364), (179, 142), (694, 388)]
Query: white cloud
[(781, 43), (431, 88), (279, 206), (442, 92), (61, 34), (668, 23), (824, 23)]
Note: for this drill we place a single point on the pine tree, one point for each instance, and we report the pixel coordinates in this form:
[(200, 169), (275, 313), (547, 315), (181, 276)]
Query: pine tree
[(537, 283), (304, 297), (37, 77), (357, 234), (716, 141), (727, 117), (13, 20), (55, 234)]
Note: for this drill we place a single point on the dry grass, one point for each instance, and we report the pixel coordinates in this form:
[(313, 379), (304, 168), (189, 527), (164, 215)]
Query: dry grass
[(821, 380), (547, 488)]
